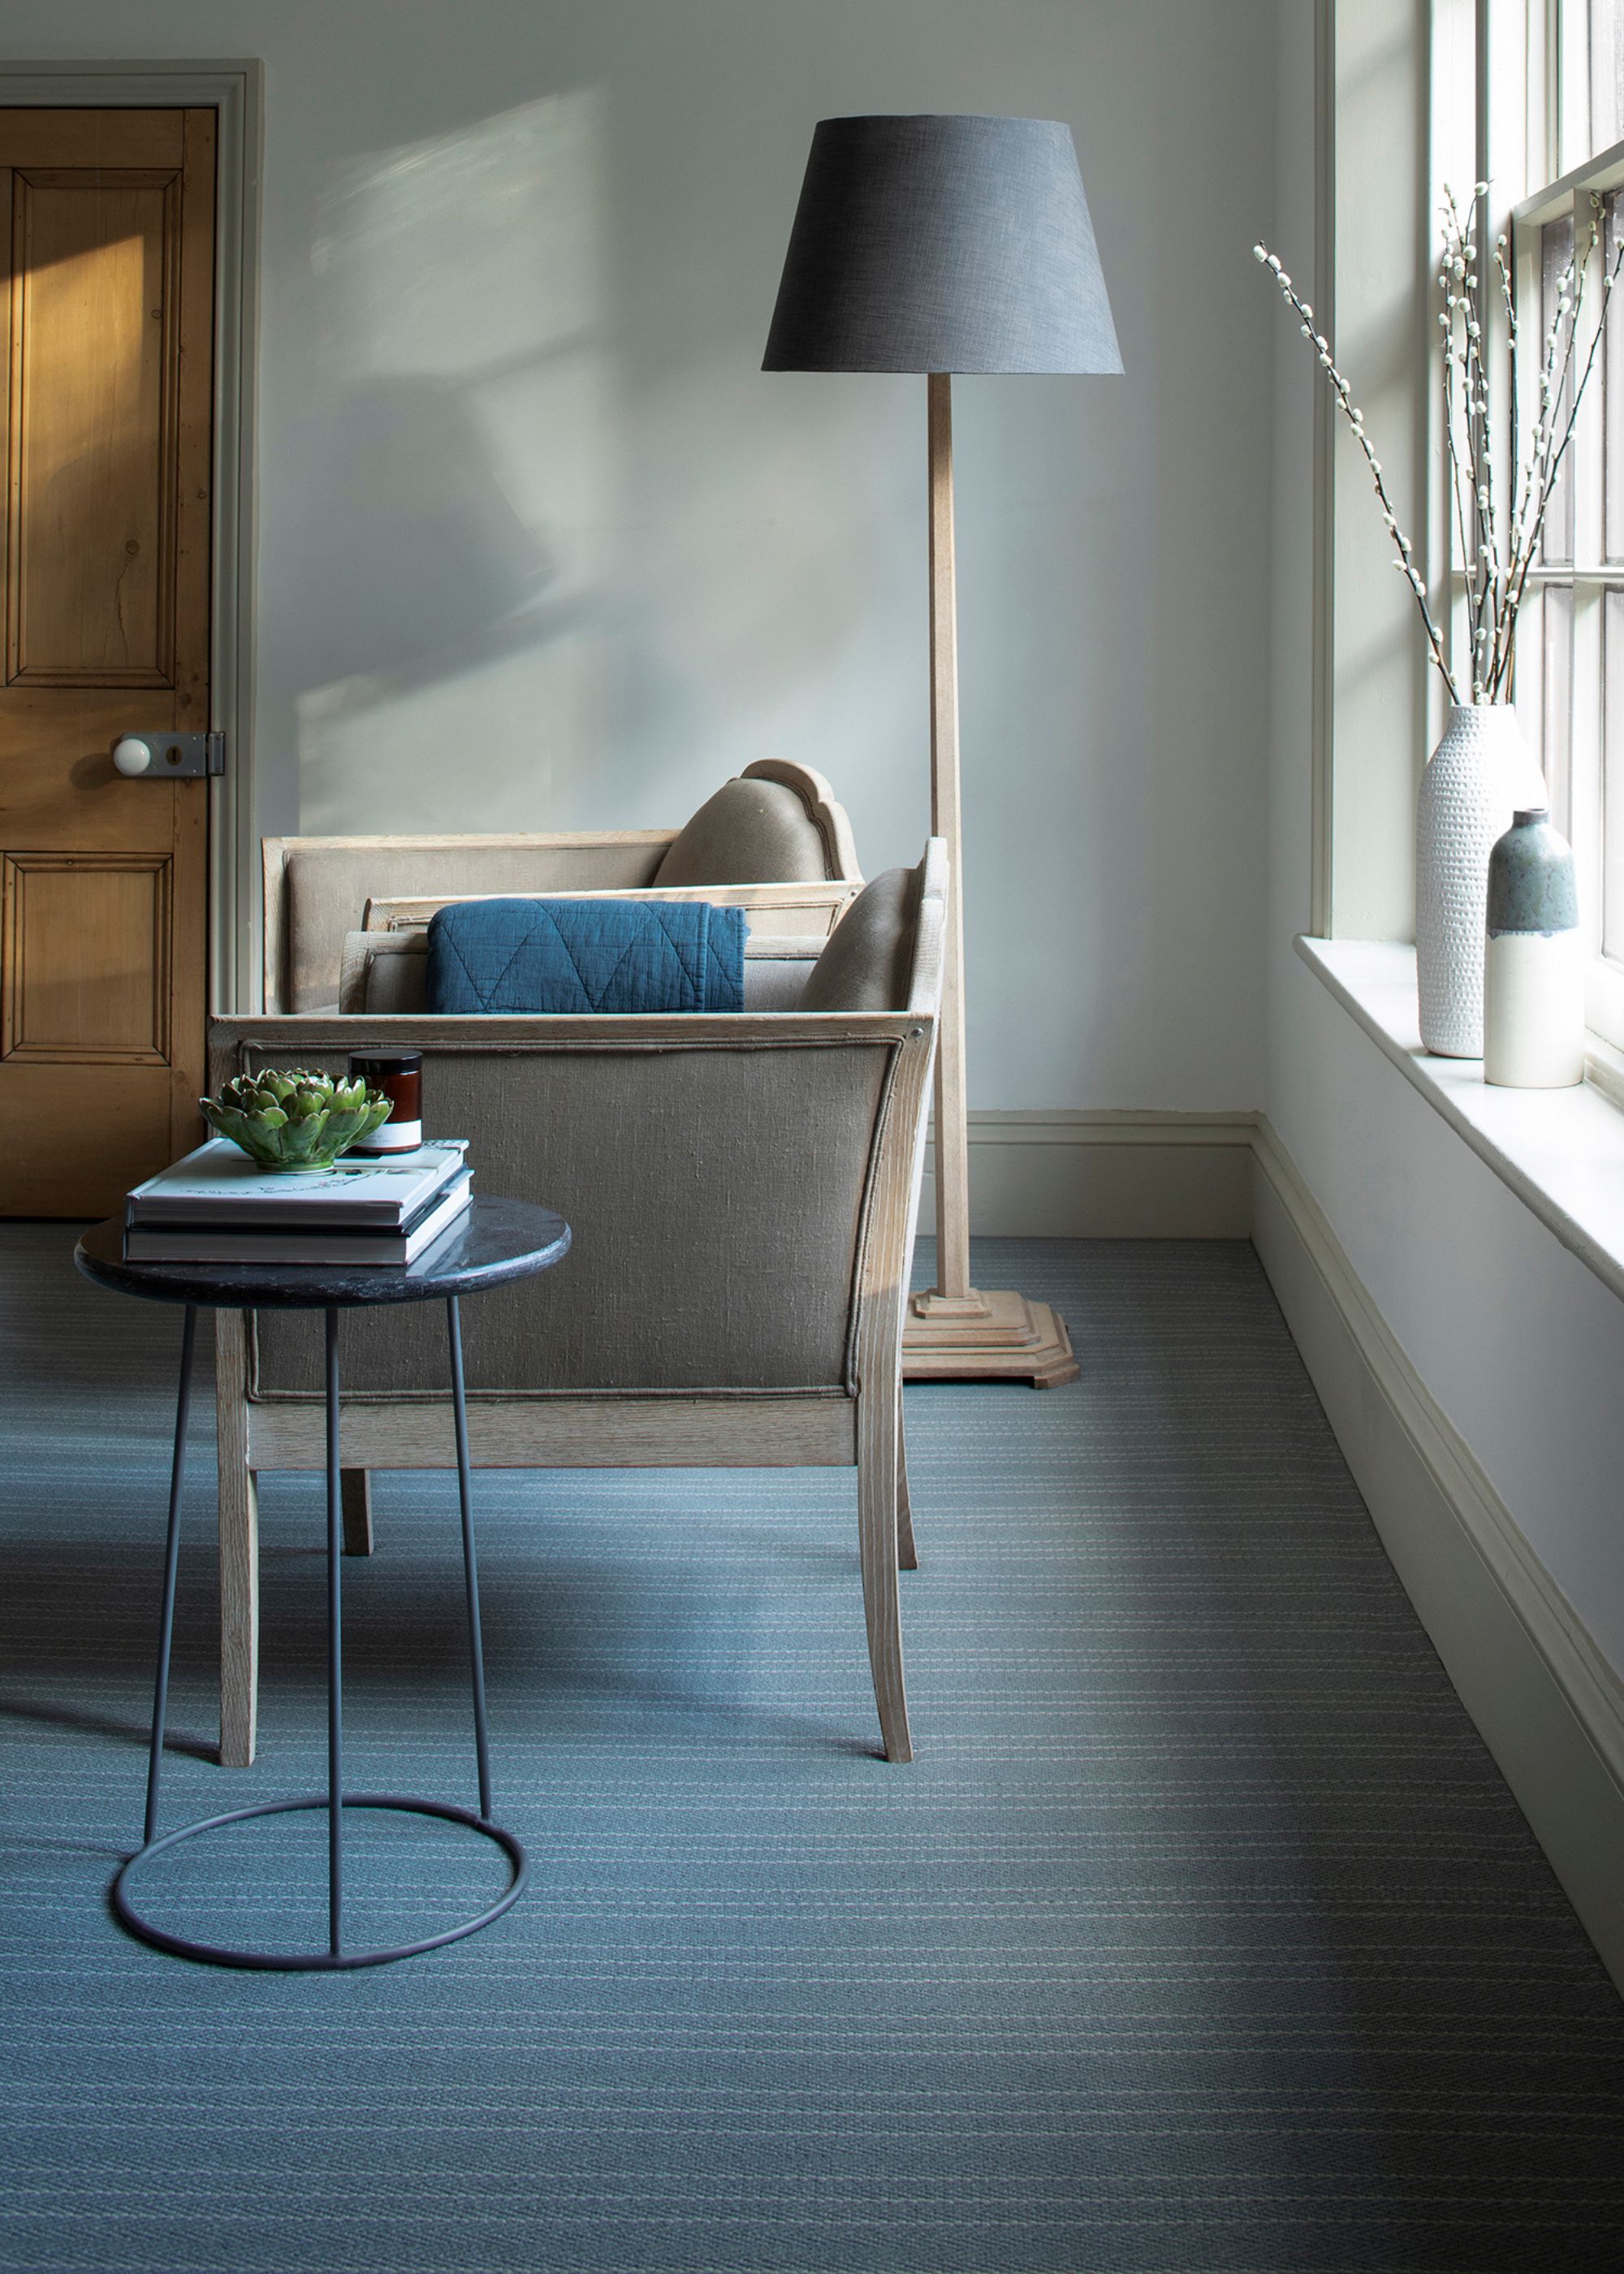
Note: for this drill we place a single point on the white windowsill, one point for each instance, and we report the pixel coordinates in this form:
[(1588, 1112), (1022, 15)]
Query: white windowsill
[(1560, 1150)]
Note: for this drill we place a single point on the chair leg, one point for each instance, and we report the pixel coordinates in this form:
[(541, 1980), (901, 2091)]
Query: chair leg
[(239, 1547), (356, 1485), (239, 1615), (907, 1554), (879, 1445)]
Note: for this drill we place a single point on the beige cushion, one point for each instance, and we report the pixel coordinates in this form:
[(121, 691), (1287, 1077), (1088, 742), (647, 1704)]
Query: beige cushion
[(868, 962), (383, 973), (750, 832), (777, 967)]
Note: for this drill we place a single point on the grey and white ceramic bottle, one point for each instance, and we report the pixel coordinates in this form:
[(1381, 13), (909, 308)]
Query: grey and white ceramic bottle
[(1533, 964)]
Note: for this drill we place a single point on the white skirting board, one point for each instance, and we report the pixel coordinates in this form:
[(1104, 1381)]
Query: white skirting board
[(1547, 1703), (1106, 1174)]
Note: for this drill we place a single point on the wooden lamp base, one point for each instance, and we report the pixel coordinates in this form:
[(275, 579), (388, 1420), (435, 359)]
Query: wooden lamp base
[(986, 1336)]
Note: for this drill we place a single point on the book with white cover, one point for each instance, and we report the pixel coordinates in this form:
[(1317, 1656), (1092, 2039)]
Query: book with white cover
[(163, 1243), (220, 1184)]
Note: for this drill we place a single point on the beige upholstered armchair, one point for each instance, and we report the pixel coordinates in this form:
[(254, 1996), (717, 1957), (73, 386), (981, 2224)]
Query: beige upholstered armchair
[(743, 1190)]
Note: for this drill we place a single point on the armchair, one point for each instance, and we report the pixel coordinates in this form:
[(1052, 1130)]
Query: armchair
[(744, 1191)]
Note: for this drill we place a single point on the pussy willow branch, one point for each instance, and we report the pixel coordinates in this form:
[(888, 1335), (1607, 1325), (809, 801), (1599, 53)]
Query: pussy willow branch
[(1463, 366), (1508, 304), (1405, 564), (1498, 522), (1610, 277), (1458, 427)]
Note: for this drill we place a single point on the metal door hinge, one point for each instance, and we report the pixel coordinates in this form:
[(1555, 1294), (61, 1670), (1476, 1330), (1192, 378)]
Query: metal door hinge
[(174, 757)]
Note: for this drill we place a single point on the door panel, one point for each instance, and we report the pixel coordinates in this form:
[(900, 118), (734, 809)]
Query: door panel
[(86, 954), (107, 226), (93, 529)]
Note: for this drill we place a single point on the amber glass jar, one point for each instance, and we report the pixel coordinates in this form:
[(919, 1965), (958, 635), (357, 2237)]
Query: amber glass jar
[(399, 1075)]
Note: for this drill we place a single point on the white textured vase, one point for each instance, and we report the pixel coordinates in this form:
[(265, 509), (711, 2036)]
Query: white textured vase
[(1480, 770)]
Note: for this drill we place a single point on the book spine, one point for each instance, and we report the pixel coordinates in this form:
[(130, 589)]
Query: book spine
[(199, 1245)]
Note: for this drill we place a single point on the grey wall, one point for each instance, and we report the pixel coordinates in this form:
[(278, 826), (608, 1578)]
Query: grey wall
[(540, 546)]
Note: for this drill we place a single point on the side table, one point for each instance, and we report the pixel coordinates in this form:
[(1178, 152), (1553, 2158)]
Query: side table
[(497, 1240)]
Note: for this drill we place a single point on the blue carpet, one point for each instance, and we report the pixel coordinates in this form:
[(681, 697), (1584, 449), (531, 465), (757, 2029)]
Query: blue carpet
[(1203, 1933)]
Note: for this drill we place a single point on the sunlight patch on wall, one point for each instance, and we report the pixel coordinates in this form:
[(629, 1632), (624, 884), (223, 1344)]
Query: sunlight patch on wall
[(470, 251)]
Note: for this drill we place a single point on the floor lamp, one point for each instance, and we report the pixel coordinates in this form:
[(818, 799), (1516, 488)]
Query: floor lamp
[(940, 244)]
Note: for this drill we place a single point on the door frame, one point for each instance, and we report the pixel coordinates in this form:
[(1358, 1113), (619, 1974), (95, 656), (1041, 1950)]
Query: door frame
[(235, 91)]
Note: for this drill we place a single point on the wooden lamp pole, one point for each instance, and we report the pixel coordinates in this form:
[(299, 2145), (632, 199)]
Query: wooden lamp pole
[(955, 1332)]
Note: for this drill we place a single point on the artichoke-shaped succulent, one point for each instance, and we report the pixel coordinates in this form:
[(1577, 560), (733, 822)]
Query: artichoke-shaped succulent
[(294, 1119)]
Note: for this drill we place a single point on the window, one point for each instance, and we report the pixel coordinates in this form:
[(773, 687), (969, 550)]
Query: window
[(1566, 58)]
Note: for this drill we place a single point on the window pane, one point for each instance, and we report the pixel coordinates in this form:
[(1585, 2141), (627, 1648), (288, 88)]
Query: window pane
[(1606, 73), (1611, 380), (1612, 779), (1556, 241)]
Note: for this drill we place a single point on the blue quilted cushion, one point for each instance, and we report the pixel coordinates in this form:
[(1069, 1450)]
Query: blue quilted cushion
[(585, 956)]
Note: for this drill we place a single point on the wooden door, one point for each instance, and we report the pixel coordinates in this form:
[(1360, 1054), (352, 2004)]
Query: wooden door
[(109, 226)]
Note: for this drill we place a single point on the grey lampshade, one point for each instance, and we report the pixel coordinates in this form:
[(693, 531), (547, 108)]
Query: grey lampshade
[(942, 243)]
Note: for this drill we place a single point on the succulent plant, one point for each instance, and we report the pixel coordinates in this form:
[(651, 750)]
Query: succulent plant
[(294, 1118)]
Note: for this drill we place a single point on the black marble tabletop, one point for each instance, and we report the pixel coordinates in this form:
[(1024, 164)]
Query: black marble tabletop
[(497, 1240)]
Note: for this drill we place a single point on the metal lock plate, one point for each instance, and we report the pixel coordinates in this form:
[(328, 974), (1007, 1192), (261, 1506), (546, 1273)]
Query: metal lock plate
[(158, 756)]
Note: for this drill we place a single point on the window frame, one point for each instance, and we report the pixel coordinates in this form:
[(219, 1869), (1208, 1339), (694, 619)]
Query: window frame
[(1533, 100)]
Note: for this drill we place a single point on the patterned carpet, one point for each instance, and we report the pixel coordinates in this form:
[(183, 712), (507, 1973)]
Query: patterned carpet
[(1203, 1933)]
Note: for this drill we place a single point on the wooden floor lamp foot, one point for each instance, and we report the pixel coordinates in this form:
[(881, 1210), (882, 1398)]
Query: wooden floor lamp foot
[(986, 1336)]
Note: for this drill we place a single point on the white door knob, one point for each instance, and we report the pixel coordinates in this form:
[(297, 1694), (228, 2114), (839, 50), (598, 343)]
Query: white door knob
[(133, 756)]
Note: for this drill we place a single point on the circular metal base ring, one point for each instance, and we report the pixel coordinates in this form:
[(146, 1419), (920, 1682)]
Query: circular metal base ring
[(324, 1962)]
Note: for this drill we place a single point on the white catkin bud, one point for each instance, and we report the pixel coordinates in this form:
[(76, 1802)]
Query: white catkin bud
[(1260, 252)]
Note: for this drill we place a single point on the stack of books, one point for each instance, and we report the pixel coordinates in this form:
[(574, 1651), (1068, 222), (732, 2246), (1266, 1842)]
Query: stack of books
[(216, 1205)]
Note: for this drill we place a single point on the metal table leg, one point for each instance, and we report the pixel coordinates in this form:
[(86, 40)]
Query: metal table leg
[(171, 1566), (334, 1800), (470, 1574), (335, 1657)]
